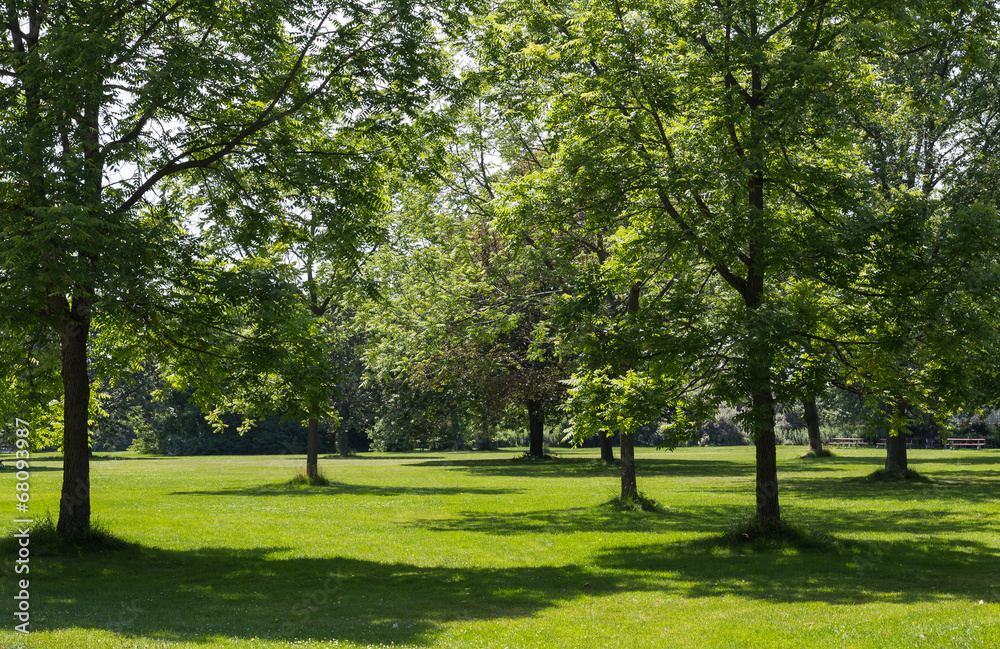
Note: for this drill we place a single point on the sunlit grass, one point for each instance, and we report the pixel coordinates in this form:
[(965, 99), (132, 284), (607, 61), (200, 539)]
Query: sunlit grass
[(468, 549)]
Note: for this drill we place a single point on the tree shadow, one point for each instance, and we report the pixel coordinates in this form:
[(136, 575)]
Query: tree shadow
[(575, 467), (341, 489), (913, 456), (855, 573), (976, 486), (393, 457), (134, 458), (197, 595), (10, 468), (586, 519)]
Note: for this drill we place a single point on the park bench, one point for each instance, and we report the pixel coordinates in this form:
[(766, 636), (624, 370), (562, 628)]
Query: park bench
[(967, 442), (881, 443), (847, 441)]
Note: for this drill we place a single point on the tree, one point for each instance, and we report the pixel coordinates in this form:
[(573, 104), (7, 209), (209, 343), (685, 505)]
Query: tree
[(104, 103), (327, 220), (723, 130), (917, 318), (459, 313)]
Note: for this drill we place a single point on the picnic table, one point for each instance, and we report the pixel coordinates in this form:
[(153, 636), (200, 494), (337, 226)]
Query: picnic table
[(881, 443), (967, 442), (847, 441)]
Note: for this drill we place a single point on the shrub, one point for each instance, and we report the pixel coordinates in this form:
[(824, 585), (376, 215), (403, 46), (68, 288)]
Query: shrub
[(722, 431), (302, 479)]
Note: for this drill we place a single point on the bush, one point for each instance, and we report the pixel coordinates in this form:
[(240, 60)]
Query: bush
[(723, 431), (302, 479), (791, 436), (650, 435)]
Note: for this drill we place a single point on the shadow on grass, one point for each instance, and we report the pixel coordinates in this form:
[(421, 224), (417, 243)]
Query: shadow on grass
[(873, 457), (341, 488), (574, 467), (915, 516), (602, 518), (837, 572), (11, 469), (197, 595), (957, 486), (373, 456)]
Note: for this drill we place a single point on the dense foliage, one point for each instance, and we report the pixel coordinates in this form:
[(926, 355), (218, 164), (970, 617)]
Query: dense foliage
[(409, 225)]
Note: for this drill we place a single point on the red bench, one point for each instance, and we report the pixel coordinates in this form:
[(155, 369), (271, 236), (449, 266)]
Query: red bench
[(966, 442), (847, 441), (881, 443)]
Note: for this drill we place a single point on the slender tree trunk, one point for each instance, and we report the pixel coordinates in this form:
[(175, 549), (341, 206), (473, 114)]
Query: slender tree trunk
[(895, 442), (75, 319), (811, 416), (762, 397), (607, 448), (74, 506), (459, 444), (343, 430), (343, 440), (536, 427), (768, 510), (312, 449), (627, 451)]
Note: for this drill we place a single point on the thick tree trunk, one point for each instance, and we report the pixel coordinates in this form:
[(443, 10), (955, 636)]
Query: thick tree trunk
[(895, 443), (627, 451), (536, 427), (312, 449), (74, 506), (486, 436), (811, 416), (768, 510), (895, 453), (607, 448)]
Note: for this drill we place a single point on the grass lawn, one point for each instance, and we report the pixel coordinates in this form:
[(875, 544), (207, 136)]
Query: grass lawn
[(475, 550)]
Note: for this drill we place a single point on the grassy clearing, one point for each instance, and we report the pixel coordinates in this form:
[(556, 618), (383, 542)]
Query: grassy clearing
[(475, 550)]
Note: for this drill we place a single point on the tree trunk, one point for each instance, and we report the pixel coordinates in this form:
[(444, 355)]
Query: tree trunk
[(895, 442), (768, 511), (486, 436), (74, 505), (312, 450), (811, 416), (627, 451), (459, 443), (536, 426), (344, 429), (343, 440), (607, 449)]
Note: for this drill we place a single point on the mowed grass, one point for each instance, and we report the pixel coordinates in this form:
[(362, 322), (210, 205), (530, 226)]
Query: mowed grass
[(477, 550)]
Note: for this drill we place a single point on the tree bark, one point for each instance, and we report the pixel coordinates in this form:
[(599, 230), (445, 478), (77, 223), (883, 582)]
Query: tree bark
[(811, 415), (74, 505), (536, 426), (607, 448), (895, 443), (627, 451), (768, 510), (343, 440), (312, 449), (486, 436), (459, 443)]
